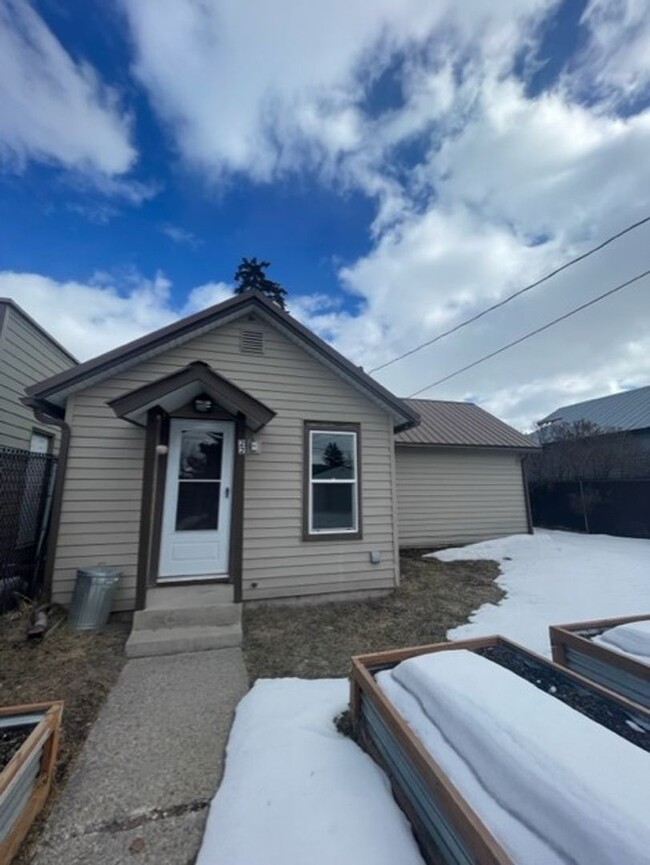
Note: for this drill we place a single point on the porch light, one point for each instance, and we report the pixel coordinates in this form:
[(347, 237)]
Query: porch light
[(202, 404)]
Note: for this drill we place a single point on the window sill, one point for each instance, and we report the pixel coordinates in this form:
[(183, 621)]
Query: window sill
[(332, 536)]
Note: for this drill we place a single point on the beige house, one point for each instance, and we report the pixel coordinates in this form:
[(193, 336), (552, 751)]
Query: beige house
[(236, 450), (27, 354)]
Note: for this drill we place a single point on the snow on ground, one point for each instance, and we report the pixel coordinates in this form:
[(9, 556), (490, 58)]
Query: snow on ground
[(553, 785), (556, 577), (296, 791)]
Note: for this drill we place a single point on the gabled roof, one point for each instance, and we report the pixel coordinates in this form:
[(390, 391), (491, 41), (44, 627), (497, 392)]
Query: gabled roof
[(459, 424), (52, 393), (629, 410), (180, 387)]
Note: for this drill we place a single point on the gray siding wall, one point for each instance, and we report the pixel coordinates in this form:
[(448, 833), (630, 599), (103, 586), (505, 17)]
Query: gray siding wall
[(26, 357), (449, 496), (103, 486)]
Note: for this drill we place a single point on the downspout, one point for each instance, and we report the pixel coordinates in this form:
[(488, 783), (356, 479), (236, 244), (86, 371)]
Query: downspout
[(524, 480), (57, 495)]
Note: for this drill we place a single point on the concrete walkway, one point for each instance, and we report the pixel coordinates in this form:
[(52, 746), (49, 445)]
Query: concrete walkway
[(140, 790)]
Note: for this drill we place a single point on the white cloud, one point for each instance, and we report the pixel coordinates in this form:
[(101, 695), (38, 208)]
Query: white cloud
[(507, 173), (497, 188), (263, 88), (181, 236), (52, 108), (91, 317), (206, 295), (614, 63)]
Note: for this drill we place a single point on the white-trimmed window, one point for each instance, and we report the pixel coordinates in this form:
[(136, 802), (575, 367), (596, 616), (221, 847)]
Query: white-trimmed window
[(332, 481)]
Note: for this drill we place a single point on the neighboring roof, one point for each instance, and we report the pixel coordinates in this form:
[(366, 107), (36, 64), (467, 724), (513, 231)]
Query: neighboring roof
[(53, 391), (8, 302), (186, 384), (628, 410), (460, 424)]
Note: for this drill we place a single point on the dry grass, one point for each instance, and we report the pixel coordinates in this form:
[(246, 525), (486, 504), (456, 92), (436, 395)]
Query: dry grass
[(318, 639), (77, 667)]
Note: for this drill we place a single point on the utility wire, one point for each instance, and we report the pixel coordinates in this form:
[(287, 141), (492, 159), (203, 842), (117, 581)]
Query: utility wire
[(510, 297), (533, 332)]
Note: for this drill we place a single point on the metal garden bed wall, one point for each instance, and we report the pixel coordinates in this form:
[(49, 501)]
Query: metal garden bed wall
[(573, 647), (448, 830), (26, 780), (26, 482)]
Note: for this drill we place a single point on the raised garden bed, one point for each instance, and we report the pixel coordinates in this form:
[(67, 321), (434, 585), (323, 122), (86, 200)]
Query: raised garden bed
[(29, 737), (574, 647), (448, 829)]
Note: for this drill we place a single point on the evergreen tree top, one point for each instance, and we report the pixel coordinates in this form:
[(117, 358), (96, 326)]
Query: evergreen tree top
[(251, 276)]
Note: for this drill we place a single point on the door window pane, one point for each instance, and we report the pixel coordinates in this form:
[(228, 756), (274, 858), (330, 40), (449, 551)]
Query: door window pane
[(198, 506), (201, 453), (333, 455), (333, 507)]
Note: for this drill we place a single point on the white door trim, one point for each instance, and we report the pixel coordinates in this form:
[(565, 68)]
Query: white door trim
[(196, 554)]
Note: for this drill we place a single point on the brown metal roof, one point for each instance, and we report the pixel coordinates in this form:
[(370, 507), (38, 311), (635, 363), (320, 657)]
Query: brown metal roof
[(459, 424)]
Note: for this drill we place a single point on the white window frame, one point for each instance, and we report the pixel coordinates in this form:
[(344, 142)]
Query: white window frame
[(354, 481)]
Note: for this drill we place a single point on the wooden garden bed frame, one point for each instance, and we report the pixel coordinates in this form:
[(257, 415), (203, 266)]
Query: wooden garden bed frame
[(574, 649), (448, 830), (26, 780)]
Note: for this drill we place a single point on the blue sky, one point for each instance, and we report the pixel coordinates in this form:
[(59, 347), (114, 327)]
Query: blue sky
[(401, 165)]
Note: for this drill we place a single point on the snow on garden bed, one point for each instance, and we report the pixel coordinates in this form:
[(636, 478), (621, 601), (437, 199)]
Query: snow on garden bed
[(631, 639), (552, 577), (552, 785), (296, 791)]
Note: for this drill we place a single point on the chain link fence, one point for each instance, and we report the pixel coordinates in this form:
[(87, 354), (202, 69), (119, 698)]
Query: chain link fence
[(26, 484)]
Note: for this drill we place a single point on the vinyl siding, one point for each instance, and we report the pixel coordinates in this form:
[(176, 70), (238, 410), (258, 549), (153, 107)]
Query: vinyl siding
[(458, 496), (103, 487), (26, 357)]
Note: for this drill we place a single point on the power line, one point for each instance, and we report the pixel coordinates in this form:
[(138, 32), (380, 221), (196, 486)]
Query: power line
[(510, 297), (533, 332)]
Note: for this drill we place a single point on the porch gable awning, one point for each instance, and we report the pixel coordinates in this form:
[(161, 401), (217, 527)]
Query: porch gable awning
[(176, 390)]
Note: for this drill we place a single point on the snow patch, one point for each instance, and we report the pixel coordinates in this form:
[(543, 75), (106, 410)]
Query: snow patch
[(296, 791), (555, 577)]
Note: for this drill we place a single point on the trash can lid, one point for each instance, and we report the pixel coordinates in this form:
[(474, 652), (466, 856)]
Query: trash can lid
[(100, 571)]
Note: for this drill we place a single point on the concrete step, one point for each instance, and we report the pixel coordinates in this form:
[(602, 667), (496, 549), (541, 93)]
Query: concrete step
[(155, 619), (189, 595), (173, 641)]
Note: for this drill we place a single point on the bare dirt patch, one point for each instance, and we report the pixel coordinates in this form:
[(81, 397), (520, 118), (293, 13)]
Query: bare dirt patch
[(318, 640), (75, 666)]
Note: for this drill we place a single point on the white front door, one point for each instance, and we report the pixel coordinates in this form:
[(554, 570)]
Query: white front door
[(198, 495)]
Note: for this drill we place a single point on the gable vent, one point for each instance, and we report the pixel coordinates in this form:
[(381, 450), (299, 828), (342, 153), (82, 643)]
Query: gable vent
[(251, 342)]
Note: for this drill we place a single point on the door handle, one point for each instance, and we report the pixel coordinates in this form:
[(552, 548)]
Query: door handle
[(227, 492)]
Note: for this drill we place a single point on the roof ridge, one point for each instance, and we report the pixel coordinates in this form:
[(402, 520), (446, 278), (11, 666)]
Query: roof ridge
[(73, 379)]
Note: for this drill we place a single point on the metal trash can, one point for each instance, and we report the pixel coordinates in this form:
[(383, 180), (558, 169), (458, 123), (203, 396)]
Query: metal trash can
[(93, 596)]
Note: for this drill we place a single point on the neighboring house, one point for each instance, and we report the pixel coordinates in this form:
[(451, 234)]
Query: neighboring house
[(628, 411), (27, 355), (28, 444), (237, 446), (459, 476)]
